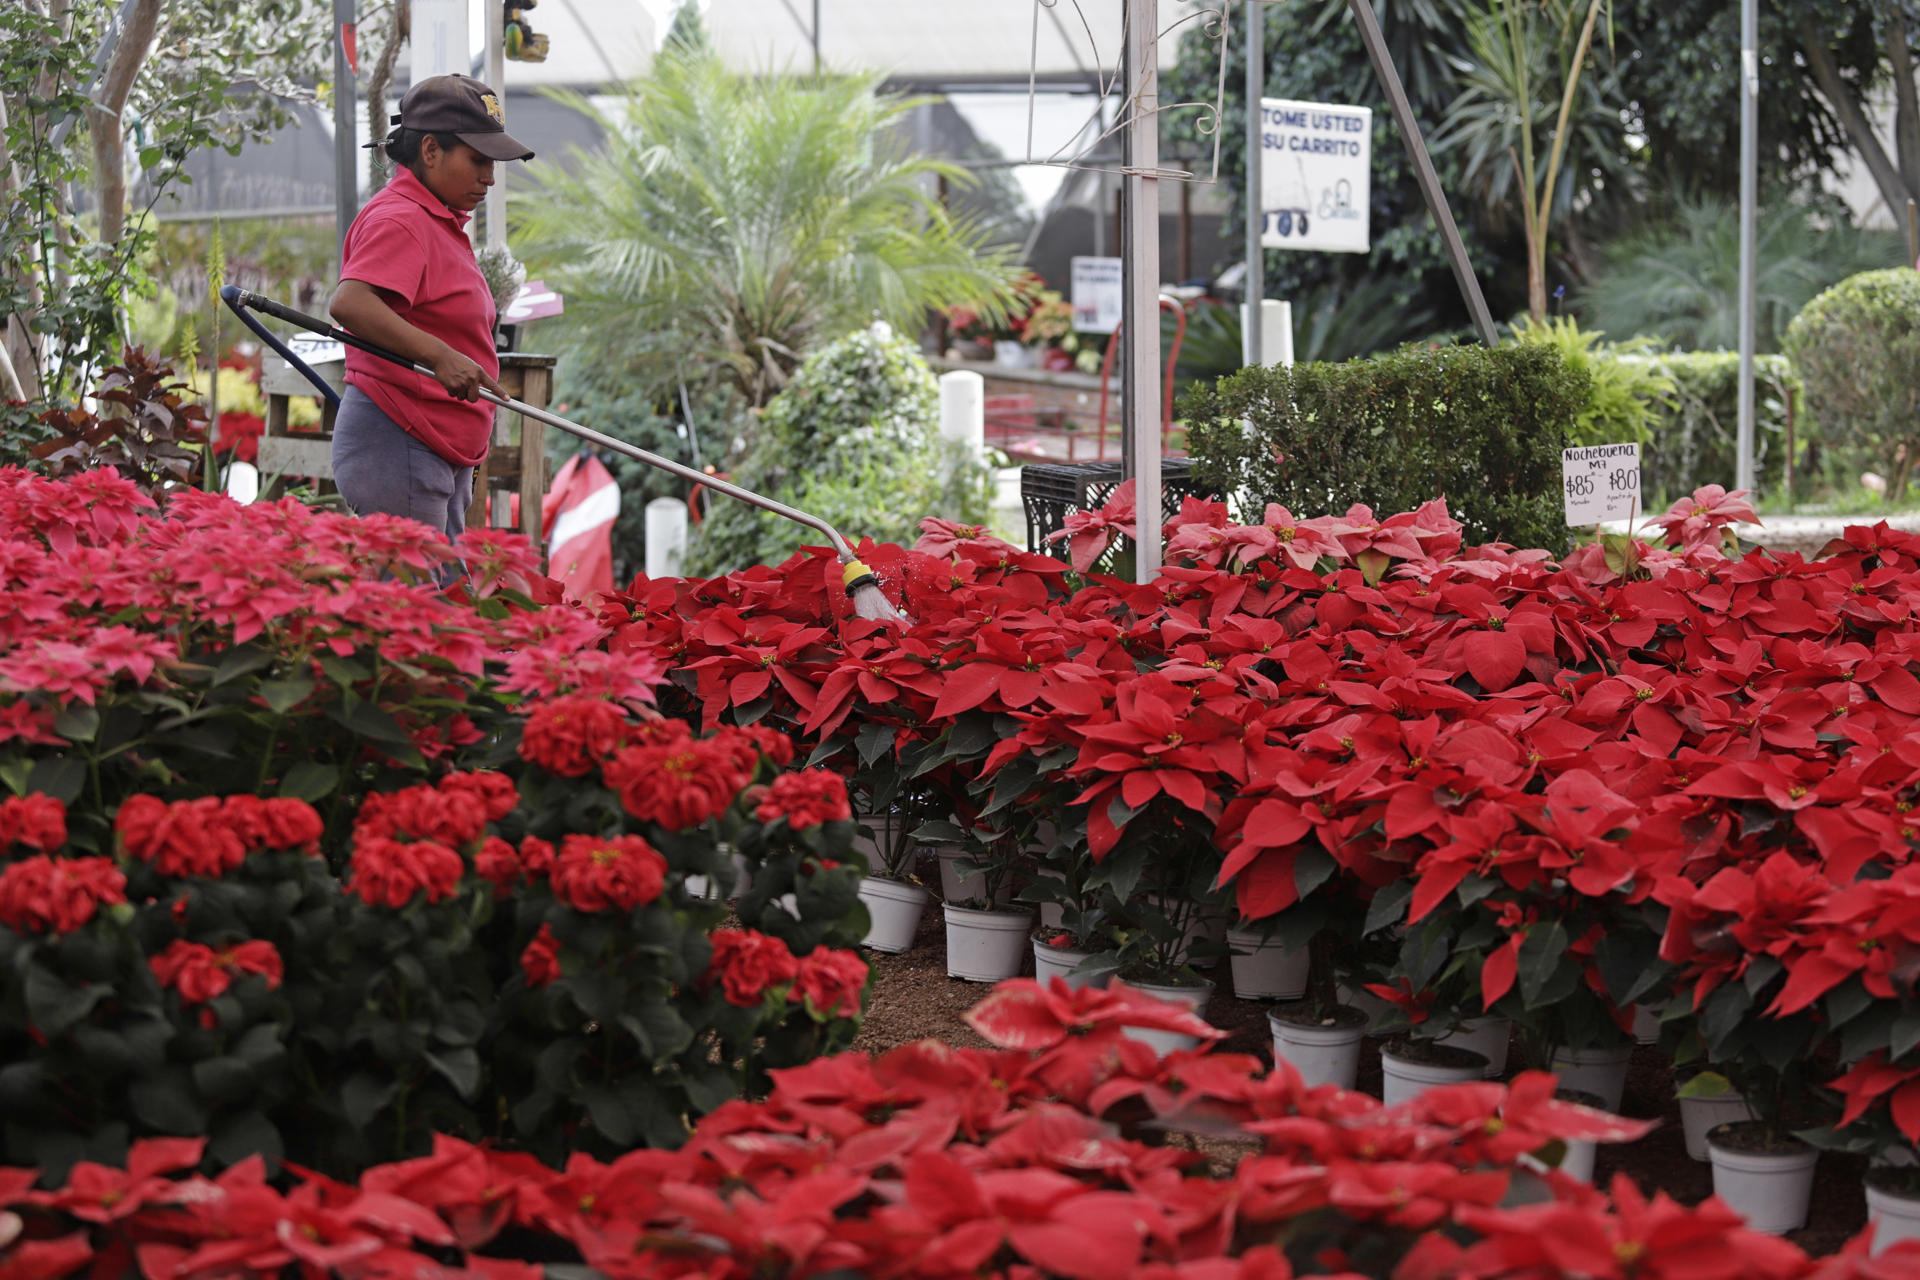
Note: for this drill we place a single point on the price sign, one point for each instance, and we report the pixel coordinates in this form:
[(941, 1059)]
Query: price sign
[(1600, 482)]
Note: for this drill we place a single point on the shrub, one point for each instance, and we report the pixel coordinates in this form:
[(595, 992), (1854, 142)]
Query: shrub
[(1626, 395), (1857, 347), (854, 439), (1483, 428), (1695, 430)]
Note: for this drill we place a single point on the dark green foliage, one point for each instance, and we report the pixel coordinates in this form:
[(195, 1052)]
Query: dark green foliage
[(1481, 428), (1695, 426), (1857, 346)]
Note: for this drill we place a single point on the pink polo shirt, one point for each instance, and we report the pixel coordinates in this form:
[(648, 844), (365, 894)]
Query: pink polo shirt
[(407, 242)]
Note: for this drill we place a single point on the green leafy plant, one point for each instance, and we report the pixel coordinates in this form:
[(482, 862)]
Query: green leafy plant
[(1484, 428), (853, 439), (1857, 348), (1695, 429), (732, 224), (1625, 396)]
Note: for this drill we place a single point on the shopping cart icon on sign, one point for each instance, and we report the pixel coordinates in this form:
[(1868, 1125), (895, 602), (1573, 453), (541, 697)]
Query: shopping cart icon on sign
[(1292, 216)]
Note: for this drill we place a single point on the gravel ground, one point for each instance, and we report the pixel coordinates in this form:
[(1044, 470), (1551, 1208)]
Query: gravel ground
[(913, 998)]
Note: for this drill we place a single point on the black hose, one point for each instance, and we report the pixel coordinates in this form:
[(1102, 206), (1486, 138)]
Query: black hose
[(238, 300)]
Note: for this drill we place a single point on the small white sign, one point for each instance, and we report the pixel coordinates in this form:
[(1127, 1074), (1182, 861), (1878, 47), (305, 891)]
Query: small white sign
[(1316, 162), (1098, 294), (1601, 482), (315, 349)]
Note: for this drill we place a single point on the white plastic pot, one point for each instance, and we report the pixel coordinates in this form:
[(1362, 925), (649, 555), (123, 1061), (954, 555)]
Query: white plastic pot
[(1059, 962), (894, 908), (702, 888), (1646, 1025), (957, 888), (1487, 1037), (986, 946), (1700, 1116), (1770, 1189), (1322, 1055), (1402, 1079), (1894, 1218), (1166, 1042), (874, 848), (1265, 970), (1601, 1072)]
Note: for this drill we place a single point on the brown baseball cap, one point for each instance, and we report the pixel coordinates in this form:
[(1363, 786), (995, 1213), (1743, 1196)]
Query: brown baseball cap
[(465, 107)]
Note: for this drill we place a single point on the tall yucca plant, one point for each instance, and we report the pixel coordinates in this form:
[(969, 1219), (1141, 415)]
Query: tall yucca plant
[(731, 224)]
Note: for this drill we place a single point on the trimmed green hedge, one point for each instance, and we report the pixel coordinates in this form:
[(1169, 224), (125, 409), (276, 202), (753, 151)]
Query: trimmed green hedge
[(1696, 426), (1481, 428)]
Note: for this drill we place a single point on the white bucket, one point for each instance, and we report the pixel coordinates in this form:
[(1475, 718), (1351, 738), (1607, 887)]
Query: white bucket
[(894, 909), (1700, 1116), (1894, 1218), (1770, 1189), (1322, 1055), (1058, 962), (986, 946), (1487, 1037), (1265, 970), (1601, 1072), (1401, 1079), (1166, 1042), (886, 829), (962, 889)]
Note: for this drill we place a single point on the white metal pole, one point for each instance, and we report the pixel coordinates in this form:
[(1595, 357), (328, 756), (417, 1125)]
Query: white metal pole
[(346, 96), (1749, 165), (497, 78), (1253, 347), (1141, 270)]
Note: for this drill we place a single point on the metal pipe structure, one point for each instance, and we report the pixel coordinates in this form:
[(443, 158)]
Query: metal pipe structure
[(1251, 344), (1749, 165), (1389, 78), (1140, 309), (346, 152)]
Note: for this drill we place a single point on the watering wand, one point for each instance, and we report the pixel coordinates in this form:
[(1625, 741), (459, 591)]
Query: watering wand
[(863, 588)]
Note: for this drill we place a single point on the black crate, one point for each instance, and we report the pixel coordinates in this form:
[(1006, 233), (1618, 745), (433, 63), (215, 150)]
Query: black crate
[(1051, 491)]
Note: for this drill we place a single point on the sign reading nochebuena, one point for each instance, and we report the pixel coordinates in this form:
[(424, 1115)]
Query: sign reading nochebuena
[(1600, 482), (1316, 163)]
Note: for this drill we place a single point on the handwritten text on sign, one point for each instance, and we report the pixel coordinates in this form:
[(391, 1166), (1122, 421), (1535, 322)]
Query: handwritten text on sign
[(1601, 482)]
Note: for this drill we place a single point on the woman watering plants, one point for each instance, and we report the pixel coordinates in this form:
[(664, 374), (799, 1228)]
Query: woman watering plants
[(403, 443)]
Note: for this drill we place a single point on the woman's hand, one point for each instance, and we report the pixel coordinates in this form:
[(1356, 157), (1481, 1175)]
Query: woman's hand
[(462, 378)]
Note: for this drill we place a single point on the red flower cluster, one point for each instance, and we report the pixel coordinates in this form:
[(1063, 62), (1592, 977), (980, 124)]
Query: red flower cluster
[(199, 972), (212, 836), (830, 982), (805, 799), (748, 964), (388, 873), (44, 894), (682, 781), (607, 873), (453, 812), (571, 736), (933, 1162), (32, 821), (540, 960)]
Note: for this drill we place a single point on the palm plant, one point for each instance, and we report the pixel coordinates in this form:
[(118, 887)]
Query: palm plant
[(1679, 278), (1522, 54), (731, 224)]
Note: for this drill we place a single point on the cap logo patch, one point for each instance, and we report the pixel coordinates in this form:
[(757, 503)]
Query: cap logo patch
[(492, 104)]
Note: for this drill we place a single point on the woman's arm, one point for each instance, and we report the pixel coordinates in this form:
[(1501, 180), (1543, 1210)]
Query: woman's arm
[(362, 309)]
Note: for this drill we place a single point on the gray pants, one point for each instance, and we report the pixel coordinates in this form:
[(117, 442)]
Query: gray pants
[(380, 468)]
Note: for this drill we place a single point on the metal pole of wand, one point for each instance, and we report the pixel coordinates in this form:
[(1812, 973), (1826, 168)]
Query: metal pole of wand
[(1141, 270), (1256, 290)]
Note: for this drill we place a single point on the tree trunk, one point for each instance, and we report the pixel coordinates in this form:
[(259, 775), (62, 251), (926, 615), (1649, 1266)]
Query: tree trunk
[(103, 118), (1906, 118), (1858, 128)]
